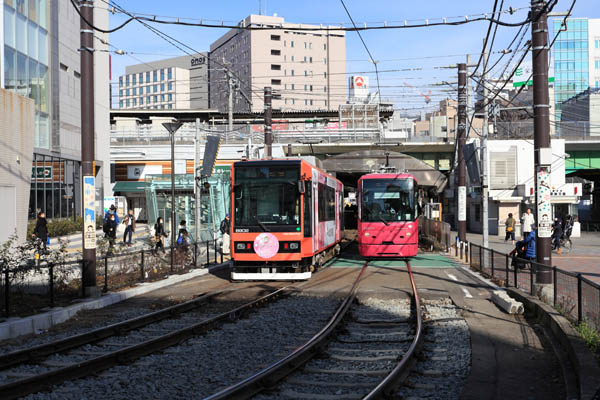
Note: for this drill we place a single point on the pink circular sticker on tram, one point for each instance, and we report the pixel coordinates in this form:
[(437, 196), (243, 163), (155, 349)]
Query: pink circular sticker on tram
[(266, 245)]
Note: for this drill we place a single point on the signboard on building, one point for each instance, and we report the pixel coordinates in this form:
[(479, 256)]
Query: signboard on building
[(140, 171), (89, 212), (197, 61), (359, 87), (462, 203), (41, 172), (276, 125)]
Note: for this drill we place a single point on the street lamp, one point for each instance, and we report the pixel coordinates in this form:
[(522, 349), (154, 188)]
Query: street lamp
[(172, 127)]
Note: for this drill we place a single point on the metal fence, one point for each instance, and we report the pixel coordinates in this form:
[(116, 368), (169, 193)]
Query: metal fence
[(39, 285), (575, 296), (437, 231)]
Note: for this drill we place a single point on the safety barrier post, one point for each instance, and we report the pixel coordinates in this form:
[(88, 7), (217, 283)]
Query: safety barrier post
[(207, 255), (222, 254), (554, 276), (480, 258), (456, 248), (470, 256), (461, 250), (531, 288), (516, 277), (6, 293), (507, 284), (51, 271), (467, 247), (105, 274), (142, 268), (215, 247), (492, 256), (579, 297)]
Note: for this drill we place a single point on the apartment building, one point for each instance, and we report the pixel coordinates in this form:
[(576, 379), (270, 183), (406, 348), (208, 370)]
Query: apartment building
[(174, 83), (306, 67)]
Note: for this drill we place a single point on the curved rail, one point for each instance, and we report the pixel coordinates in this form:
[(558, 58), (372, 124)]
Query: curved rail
[(81, 369), (401, 371), (277, 371)]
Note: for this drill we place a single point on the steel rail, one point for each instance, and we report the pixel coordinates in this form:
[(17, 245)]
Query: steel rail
[(404, 366), (36, 353), (274, 373), (128, 354)]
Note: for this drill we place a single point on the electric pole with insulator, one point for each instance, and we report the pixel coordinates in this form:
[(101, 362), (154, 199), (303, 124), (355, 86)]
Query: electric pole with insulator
[(87, 149), (541, 139), (268, 122), (462, 137)]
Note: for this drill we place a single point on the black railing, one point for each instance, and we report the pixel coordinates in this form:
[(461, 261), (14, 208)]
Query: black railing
[(41, 284), (575, 296)]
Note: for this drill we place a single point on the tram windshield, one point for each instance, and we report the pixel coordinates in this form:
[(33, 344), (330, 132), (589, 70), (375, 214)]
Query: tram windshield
[(267, 196), (388, 200)]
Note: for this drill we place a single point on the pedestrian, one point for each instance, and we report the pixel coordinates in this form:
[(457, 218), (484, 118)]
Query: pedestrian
[(159, 233), (528, 220), (41, 233), (557, 232), (225, 229), (530, 254), (111, 211), (182, 235), (110, 231), (129, 222), (510, 229)]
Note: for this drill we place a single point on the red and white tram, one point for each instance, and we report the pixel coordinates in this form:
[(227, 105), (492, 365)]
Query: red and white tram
[(287, 219)]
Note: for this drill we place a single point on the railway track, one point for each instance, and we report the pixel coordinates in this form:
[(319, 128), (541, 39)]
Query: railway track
[(357, 354), (39, 368)]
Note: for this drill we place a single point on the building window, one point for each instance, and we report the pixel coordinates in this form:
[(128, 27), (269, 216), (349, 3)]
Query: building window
[(154, 76), (311, 88), (141, 78), (162, 98), (155, 88), (147, 89), (305, 102), (162, 87), (126, 92), (148, 77), (275, 67), (141, 101), (597, 43), (170, 97), (305, 45), (305, 87), (285, 43), (120, 103), (597, 64), (325, 89), (127, 80), (275, 52), (162, 74), (292, 72), (135, 102), (133, 79), (275, 81), (135, 91), (305, 73), (325, 60), (311, 102), (291, 43), (292, 58), (293, 86), (120, 81), (169, 74), (325, 75), (304, 58), (170, 85), (121, 93), (275, 37), (170, 106), (310, 60), (325, 47), (293, 101), (147, 99), (127, 103), (154, 99)]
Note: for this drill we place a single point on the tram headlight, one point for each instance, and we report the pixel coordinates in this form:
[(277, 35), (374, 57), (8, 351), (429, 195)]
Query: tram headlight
[(294, 245), (367, 234), (408, 234), (240, 246)]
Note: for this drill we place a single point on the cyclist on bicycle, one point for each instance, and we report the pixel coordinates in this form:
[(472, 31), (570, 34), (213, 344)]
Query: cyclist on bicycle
[(557, 233), (568, 227)]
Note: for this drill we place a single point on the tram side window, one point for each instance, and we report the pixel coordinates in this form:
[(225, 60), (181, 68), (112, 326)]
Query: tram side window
[(308, 209), (326, 203)]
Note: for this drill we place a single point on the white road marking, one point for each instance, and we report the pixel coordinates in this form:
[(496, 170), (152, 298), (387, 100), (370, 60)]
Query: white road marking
[(465, 291)]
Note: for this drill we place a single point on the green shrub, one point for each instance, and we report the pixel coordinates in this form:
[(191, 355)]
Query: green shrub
[(63, 226), (590, 335)]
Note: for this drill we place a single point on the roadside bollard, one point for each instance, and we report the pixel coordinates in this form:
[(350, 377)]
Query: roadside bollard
[(461, 250), (467, 246), (207, 254), (507, 284)]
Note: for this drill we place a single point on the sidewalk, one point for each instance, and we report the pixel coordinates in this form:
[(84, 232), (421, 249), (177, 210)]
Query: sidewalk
[(584, 257), (142, 232)]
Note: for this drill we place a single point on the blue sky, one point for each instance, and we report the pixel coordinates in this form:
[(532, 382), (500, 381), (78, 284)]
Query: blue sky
[(424, 48)]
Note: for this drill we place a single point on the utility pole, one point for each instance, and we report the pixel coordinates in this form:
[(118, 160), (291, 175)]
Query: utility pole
[(172, 127), (268, 122), (484, 138), (86, 51), (462, 166), (230, 86), (196, 187), (541, 139)]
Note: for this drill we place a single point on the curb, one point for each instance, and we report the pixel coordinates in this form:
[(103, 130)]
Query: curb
[(584, 363), (15, 327)]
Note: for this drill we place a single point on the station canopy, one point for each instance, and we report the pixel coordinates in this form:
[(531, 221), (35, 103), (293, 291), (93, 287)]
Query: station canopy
[(370, 161)]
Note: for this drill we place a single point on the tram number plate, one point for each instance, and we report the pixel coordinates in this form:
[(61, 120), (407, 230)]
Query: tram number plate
[(242, 230)]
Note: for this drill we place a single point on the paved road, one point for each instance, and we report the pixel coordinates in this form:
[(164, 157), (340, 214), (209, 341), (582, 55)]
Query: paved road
[(584, 257)]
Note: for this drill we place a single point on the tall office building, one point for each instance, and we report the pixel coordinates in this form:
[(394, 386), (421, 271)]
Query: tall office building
[(173, 83), (576, 60), (41, 61), (307, 67)]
